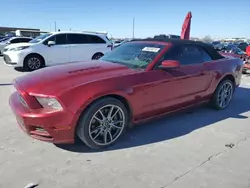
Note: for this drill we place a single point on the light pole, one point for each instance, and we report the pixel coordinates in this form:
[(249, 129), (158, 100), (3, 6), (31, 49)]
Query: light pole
[(133, 27), (55, 26)]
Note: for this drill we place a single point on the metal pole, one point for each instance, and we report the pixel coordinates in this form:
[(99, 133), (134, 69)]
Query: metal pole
[(133, 27), (55, 26)]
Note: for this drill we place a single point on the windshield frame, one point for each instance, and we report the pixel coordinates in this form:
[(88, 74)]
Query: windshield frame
[(143, 63), (40, 38)]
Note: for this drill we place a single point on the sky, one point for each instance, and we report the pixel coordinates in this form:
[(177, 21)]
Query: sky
[(217, 18)]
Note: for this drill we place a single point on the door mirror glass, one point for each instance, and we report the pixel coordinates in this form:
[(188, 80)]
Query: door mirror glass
[(169, 64)]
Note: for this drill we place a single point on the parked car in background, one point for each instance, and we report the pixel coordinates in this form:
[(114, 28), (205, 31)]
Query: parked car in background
[(13, 40), (4, 39), (117, 43), (57, 48), (243, 46), (121, 43), (210, 44), (216, 42), (229, 48), (236, 52), (98, 100)]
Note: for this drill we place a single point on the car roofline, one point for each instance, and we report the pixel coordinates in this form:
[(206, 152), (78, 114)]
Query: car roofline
[(150, 42)]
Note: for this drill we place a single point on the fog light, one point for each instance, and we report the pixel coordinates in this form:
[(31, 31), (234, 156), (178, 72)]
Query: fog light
[(40, 129)]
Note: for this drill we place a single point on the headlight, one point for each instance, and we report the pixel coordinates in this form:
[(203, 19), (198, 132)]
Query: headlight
[(49, 103), (18, 48), (5, 49)]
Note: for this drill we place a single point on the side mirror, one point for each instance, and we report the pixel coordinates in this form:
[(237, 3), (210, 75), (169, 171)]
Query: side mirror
[(51, 43), (169, 64), (8, 42)]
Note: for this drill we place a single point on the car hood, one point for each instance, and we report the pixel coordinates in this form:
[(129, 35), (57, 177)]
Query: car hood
[(19, 44), (54, 80)]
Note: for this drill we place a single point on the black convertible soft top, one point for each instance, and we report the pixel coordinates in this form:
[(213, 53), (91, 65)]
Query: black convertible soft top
[(209, 49)]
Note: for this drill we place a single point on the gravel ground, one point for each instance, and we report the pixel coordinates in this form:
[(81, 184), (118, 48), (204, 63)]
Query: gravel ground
[(200, 149)]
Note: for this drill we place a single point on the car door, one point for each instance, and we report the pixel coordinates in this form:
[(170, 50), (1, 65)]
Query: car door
[(168, 90), (79, 50), (58, 53), (194, 77)]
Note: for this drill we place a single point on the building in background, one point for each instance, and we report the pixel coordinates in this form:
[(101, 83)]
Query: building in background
[(14, 31)]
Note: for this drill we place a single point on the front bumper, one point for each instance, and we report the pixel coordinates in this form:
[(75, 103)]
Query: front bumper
[(13, 58), (49, 126)]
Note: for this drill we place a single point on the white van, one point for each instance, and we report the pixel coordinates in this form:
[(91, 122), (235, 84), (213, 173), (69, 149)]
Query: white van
[(57, 48)]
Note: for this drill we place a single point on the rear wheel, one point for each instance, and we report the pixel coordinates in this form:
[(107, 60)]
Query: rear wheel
[(103, 123), (97, 56), (33, 62), (223, 94)]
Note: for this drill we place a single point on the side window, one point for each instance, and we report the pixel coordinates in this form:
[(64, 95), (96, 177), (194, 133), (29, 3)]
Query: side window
[(185, 54), (14, 41), (58, 39), (93, 39), (24, 40), (61, 39), (205, 56), (77, 39), (53, 38)]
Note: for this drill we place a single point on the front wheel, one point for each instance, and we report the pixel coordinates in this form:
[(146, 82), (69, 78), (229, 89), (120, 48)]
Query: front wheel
[(223, 95), (33, 62), (103, 123)]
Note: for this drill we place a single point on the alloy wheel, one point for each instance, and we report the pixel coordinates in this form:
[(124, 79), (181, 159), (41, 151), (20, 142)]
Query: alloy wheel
[(106, 125), (34, 63), (225, 94)]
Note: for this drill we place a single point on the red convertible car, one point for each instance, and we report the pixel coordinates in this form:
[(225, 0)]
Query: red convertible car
[(98, 100)]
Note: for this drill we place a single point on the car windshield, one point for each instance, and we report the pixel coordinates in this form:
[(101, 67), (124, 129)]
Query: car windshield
[(39, 38), (134, 55)]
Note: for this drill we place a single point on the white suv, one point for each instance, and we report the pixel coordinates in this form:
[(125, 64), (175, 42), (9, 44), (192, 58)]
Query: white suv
[(57, 48)]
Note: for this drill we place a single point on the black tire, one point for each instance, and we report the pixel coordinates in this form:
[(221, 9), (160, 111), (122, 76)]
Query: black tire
[(87, 118), (33, 62), (216, 99), (97, 56)]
